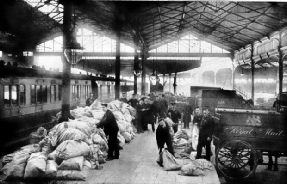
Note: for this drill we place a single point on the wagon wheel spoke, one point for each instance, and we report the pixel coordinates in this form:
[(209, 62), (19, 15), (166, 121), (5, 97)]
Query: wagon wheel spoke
[(225, 154)]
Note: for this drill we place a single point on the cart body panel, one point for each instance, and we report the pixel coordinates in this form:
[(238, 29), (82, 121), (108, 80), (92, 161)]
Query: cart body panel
[(265, 130)]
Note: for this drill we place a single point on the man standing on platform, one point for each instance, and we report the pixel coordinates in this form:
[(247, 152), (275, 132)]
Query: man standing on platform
[(206, 129), (124, 98), (197, 117), (140, 118), (146, 114), (90, 100), (133, 101), (174, 115), (111, 129), (153, 115), (162, 106)]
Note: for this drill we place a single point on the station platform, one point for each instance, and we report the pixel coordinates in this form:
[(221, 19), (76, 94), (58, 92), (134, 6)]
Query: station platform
[(137, 164)]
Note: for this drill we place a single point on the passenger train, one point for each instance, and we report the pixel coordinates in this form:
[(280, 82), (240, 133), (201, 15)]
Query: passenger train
[(29, 98)]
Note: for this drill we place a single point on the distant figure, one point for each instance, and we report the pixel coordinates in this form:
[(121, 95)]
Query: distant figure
[(124, 98), (172, 99), (174, 115), (146, 114), (197, 117), (9, 64), (162, 106), (187, 111), (133, 101), (152, 114), (111, 129), (140, 118), (90, 100)]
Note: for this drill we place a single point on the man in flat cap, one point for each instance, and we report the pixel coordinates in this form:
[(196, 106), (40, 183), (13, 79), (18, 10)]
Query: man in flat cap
[(108, 122), (206, 129)]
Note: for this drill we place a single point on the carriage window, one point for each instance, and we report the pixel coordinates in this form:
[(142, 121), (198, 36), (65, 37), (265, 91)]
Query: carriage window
[(53, 93), (39, 94), (109, 89), (33, 94), (78, 91), (87, 91), (73, 92), (6, 95), (45, 93), (60, 92), (85, 96), (22, 94), (14, 95)]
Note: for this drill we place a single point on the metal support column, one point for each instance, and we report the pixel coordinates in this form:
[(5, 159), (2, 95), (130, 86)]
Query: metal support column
[(163, 83), (174, 83), (136, 66), (143, 72), (280, 72), (169, 84), (67, 37), (118, 63)]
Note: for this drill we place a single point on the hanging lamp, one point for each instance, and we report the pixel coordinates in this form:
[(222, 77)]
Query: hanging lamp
[(73, 51)]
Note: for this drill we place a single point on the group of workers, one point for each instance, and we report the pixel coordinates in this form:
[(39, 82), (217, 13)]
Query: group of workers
[(151, 110)]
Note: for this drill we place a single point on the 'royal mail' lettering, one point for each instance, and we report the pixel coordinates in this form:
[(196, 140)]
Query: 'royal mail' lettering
[(254, 132), (270, 131), (239, 131)]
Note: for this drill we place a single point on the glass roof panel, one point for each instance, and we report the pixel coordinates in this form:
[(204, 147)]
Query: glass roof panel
[(53, 9)]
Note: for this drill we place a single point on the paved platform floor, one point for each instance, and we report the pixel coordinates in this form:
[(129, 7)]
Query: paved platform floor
[(137, 164)]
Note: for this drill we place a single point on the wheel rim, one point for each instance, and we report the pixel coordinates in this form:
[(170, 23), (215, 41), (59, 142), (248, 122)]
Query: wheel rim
[(236, 159)]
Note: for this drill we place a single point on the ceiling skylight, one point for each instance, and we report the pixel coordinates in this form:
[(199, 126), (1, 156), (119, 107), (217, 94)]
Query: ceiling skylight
[(51, 8)]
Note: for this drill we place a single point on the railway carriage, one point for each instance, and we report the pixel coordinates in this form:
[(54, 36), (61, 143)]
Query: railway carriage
[(29, 98)]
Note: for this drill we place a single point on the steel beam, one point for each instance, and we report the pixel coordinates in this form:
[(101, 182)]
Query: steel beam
[(131, 54)]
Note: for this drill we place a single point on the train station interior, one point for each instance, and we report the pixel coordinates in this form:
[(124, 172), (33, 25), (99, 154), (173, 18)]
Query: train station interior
[(226, 57)]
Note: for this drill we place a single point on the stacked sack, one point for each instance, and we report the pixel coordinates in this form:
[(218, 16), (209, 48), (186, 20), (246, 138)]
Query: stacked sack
[(182, 144), (185, 155), (71, 148), (124, 114)]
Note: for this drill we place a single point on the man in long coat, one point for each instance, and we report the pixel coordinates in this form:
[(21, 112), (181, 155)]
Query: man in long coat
[(111, 129), (206, 129), (163, 136)]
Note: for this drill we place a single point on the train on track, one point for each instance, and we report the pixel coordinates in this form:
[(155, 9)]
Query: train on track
[(29, 98)]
